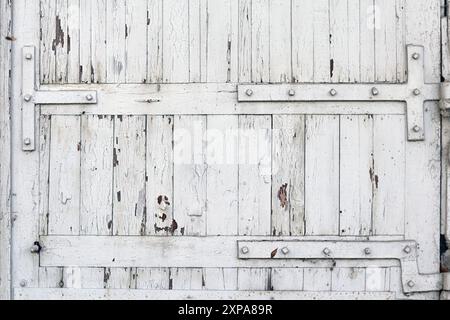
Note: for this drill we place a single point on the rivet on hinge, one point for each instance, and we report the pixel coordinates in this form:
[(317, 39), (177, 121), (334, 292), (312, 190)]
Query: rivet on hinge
[(416, 56), (27, 97), (375, 91), (27, 141), (249, 92), (416, 129), (367, 251), (245, 250), (285, 250), (416, 92), (89, 97), (28, 56), (333, 92), (291, 92)]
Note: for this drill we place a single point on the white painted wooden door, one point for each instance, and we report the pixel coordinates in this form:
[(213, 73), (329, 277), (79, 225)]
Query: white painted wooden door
[(169, 186)]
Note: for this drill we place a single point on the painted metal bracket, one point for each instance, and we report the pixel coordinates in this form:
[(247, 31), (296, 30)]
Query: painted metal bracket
[(32, 96), (414, 93), (403, 251)]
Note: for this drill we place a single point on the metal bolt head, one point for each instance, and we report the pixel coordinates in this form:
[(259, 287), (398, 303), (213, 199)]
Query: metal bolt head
[(375, 91), (285, 250), (416, 56), (27, 141), (326, 251), (249, 92), (23, 283), (89, 97), (28, 56), (333, 92), (291, 92), (416, 129), (367, 251), (245, 250), (27, 97), (61, 284), (416, 92), (407, 249), (35, 249), (411, 284)]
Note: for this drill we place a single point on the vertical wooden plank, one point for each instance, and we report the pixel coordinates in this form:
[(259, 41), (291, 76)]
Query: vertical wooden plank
[(317, 279), (176, 41), (186, 279), (85, 41), (96, 174), (136, 41), (254, 279), (222, 279), (98, 41), (385, 41), (198, 33), (119, 278), (322, 175), (288, 175), (260, 41), (152, 278), (377, 279), (389, 175), (348, 279), (245, 40), (159, 175), (303, 40), (154, 41), (400, 30), (321, 41), (422, 202), (5, 149), (280, 41), (221, 37), (83, 278), (190, 174), (354, 44), (60, 43), (339, 41), (73, 41), (222, 175), (129, 207), (48, 41), (115, 40), (287, 279), (44, 168), (356, 173), (51, 278), (64, 181), (255, 157), (367, 40)]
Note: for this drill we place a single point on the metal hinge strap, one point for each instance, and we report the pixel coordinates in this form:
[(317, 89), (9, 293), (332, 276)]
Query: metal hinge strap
[(32, 96)]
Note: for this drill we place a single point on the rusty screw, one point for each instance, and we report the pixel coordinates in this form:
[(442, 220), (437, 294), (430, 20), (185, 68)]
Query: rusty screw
[(416, 56), (326, 251), (249, 92), (375, 91), (333, 92), (291, 92), (28, 56), (407, 249), (245, 250), (285, 250), (89, 97), (367, 251)]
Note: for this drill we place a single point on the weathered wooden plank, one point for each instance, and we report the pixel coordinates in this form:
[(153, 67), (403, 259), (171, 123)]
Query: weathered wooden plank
[(348, 279), (260, 41), (176, 41), (303, 41), (339, 40), (322, 175), (61, 41), (224, 279), (44, 168), (129, 206), (354, 44), (367, 40), (389, 175), (96, 175), (115, 41), (85, 41), (154, 41), (254, 279), (377, 279), (245, 41), (287, 279), (73, 41), (356, 173), (317, 279), (83, 278), (98, 41), (280, 52), (190, 174), (152, 278), (255, 161), (136, 41), (5, 149), (75, 294), (186, 279), (422, 200), (288, 175), (198, 33), (159, 175), (120, 278), (51, 277), (64, 176), (222, 175), (321, 41), (48, 41)]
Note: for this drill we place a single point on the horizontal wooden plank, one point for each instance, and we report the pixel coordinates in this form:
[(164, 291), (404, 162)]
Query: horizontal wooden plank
[(187, 99), (153, 251), (123, 294)]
